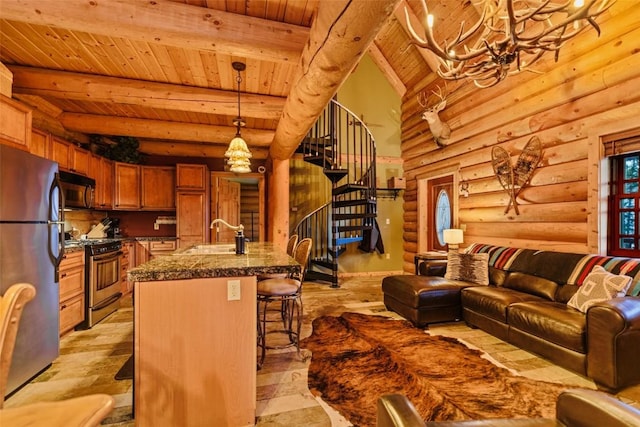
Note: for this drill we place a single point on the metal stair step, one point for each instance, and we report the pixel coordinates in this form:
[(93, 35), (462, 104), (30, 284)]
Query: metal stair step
[(357, 215), (340, 228), (354, 202), (347, 240), (347, 188)]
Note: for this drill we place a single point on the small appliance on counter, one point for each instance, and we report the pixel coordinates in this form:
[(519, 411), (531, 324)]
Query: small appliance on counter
[(114, 229)]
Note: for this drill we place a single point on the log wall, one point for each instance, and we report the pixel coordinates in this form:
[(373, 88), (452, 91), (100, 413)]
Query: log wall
[(590, 92)]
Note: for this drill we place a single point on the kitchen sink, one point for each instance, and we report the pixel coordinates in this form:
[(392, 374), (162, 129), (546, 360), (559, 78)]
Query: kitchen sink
[(208, 249)]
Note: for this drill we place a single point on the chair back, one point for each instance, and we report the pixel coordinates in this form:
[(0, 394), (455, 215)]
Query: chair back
[(291, 244), (11, 306), (301, 255)]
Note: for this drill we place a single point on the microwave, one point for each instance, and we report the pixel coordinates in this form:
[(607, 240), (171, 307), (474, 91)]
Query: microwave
[(78, 190)]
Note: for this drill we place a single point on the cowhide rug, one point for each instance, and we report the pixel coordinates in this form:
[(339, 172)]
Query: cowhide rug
[(356, 358)]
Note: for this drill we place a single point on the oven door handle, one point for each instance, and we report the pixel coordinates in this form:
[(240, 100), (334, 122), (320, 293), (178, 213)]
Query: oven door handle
[(106, 256), (113, 298)]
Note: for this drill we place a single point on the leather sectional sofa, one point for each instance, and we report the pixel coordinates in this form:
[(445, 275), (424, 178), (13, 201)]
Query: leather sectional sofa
[(574, 408), (526, 304)]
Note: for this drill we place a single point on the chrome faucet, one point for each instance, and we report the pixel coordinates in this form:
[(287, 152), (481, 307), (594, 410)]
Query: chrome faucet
[(239, 229)]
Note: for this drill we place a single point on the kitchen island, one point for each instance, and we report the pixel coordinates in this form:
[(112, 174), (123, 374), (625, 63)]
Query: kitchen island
[(195, 334)]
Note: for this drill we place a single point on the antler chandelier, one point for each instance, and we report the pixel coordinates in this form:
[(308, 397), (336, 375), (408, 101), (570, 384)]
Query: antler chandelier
[(509, 37), (238, 153)]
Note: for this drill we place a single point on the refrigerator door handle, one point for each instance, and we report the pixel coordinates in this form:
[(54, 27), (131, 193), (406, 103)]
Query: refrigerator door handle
[(60, 223)]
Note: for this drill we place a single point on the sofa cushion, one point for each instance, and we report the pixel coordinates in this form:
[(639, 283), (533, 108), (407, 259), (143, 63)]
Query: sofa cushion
[(492, 301), (599, 285), (472, 268), (497, 276), (534, 285), (551, 321)]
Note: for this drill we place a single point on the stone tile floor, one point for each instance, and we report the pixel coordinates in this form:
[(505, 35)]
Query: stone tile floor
[(90, 359)]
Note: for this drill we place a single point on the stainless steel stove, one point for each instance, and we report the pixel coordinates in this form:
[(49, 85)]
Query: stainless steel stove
[(102, 278)]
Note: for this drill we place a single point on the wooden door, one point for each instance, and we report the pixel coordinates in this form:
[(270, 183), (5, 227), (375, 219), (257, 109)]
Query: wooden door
[(440, 210), (227, 208)]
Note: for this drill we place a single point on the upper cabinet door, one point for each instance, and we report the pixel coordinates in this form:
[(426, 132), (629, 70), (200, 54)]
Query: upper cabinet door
[(15, 123), (59, 152), (191, 177), (40, 141), (127, 186), (158, 188), (79, 160)]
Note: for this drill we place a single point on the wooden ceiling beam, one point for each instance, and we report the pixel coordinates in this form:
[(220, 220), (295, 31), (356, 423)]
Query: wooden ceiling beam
[(339, 36), (92, 88), (429, 57), (159, 129), (387, 70), (167, 23)]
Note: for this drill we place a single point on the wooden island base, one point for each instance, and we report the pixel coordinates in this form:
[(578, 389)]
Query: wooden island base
[(195, 353)]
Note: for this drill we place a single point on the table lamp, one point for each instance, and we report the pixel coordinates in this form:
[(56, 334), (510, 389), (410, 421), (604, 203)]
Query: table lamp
[(452, 237)]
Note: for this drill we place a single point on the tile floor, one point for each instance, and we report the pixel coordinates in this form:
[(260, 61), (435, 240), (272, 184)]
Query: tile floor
[(90, 359)]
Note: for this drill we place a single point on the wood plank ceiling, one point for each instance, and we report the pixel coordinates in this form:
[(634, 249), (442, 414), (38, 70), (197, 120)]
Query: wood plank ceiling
[(161, 70)]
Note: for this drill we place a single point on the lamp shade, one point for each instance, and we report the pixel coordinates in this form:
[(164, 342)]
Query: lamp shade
[(452, 236)]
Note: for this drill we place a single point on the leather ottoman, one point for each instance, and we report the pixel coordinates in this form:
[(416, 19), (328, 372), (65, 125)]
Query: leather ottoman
[(423, 300)]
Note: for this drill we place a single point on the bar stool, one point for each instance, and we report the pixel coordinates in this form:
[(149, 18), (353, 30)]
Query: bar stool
[(86, 411), (287, 293)]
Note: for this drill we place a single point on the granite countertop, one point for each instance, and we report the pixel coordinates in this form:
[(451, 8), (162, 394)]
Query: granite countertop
[(261, 258)]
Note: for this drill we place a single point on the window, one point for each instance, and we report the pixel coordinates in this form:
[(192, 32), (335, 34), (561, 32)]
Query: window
[(624, 206), (440, 211)]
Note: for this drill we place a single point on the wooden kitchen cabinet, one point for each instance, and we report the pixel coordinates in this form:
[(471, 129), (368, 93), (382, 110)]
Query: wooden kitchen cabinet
[(79, 160), (71, 275), (15, 123), (192, 215), (142, 252), (59, 152), (161, 248), (40, 141), (158, 188), (191, 177), (127, 186), (126, 262), (102, 172)]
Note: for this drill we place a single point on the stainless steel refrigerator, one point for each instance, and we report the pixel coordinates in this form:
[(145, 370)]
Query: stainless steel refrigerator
[(31, 247)]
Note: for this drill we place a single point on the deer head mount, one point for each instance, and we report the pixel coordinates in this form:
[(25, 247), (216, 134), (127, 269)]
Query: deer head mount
[(439, 129)]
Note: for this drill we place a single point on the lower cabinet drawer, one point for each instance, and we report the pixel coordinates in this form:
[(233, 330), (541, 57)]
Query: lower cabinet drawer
[(71, 313)]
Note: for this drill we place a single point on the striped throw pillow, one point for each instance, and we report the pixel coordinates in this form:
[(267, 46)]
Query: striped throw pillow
[(472, 268)]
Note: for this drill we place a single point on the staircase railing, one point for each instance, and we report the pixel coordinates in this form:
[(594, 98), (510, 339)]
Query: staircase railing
[(342, 144)]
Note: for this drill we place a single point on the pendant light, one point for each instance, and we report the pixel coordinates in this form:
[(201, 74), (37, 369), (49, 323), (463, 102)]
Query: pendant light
[(238, 153)]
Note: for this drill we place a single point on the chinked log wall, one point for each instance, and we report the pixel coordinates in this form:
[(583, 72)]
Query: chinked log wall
[(591, 91)]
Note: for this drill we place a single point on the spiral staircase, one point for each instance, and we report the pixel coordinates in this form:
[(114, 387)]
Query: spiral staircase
[(342, 145)]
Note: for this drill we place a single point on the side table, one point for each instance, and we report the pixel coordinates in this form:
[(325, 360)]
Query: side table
[(428, 256)]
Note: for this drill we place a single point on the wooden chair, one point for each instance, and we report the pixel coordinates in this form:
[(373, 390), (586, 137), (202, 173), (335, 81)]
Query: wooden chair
[(83, 411), (291, 245), (287, 292)]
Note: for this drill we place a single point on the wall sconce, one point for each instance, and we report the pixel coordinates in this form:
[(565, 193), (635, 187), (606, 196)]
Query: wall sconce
[(464, 188), (453, 237)]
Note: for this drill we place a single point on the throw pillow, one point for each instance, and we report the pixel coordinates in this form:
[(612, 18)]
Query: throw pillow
[(599, 285), (472, 268)]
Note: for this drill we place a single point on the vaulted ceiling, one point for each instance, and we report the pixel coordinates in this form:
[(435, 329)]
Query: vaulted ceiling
[(161, 70)]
